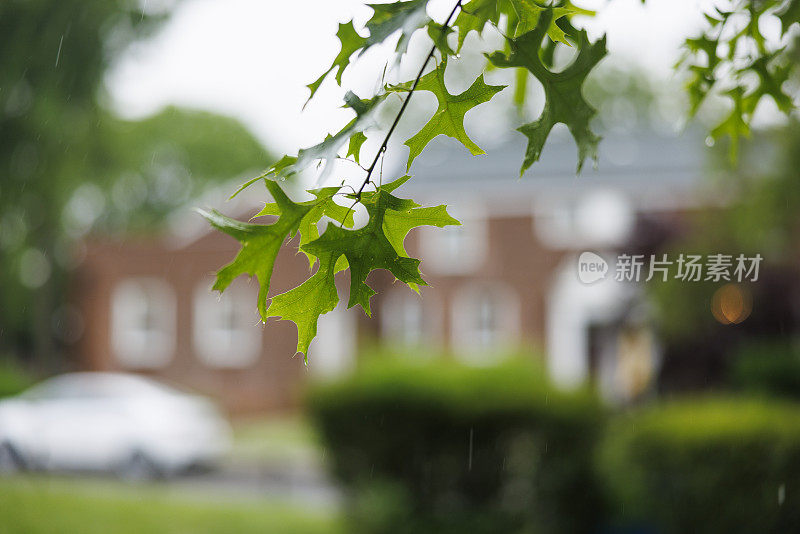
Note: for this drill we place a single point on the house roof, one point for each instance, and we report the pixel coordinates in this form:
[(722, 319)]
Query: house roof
[(653, 170), (649, 167)]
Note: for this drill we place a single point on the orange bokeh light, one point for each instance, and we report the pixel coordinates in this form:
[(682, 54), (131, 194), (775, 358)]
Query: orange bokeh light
[(731, 304)]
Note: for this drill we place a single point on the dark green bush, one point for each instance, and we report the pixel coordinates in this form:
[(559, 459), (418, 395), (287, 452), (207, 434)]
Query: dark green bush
[(437, 447), (771, 367), (711, 466)]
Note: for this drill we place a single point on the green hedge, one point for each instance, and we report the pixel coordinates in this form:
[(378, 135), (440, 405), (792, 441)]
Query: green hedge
[(437, 447), (711, 466), (768, 367)]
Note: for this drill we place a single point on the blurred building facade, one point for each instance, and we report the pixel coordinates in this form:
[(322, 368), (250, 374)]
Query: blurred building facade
[(505, 280)]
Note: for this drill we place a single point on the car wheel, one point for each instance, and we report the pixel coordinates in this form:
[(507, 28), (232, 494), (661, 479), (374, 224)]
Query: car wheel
[(10, 459), (139, 468)]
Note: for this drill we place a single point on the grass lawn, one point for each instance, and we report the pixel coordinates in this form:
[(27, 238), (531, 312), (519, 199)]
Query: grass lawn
[(282, 440), (34, 505)]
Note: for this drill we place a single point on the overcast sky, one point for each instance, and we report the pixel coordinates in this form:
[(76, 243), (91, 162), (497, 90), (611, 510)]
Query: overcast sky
[(252, 58)]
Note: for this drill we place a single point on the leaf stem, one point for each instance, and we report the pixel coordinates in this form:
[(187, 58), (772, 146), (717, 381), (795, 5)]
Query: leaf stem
[(403, 107), (353, 162)]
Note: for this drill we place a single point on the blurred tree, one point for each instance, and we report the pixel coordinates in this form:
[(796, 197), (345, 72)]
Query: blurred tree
[(760, 215), (630, 98), (148, 168), (66, 164)]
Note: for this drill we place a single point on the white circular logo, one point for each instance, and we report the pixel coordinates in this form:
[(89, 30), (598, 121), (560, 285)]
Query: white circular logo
[(591, 267)]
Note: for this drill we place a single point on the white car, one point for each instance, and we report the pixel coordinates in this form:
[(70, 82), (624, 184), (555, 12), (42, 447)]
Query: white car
[(127, 424)]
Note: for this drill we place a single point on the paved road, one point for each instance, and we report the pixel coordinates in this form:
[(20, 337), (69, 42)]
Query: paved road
[(235, 480)]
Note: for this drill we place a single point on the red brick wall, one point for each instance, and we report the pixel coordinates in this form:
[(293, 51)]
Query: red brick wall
[(273, 383)]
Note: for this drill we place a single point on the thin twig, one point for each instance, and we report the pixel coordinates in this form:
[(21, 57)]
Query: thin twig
[(380, 174), (353, 205), (353, 189), (352, 161), (382, 148)]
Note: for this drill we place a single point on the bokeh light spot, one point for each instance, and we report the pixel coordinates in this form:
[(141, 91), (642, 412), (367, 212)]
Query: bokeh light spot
[(731, 304)]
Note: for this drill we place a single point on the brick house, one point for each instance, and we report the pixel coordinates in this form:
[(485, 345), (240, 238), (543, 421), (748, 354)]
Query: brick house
[(506, 279)]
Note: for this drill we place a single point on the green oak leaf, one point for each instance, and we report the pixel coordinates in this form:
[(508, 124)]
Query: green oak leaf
[(523, 16), (281, 168), (771, 79), (377, 245), (564, 101), (734, 126), (305, 303), (386, 19), (391, 202), (390, 187), (789, 15), (473, 17), (260, 242), (328, 150), (323, 204), (439, 34), (715, 62), (405, 214), (528, 12), (449, 116), (406, 17), (702, 79), (354, 147), (351, 42), (368, 248), (397, 224)]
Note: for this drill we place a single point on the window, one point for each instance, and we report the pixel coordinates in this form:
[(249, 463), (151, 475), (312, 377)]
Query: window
[(143, 322), (407, 321), (333, 351), (455, 250), (226, 332), (600, 218), (554, 223), (485, 322)]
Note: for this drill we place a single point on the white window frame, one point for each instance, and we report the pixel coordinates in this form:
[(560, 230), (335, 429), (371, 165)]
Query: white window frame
[(138, 348), (569, 222), (471, 346), (334, 348), (235, 345), (394, 314), (474, 233)]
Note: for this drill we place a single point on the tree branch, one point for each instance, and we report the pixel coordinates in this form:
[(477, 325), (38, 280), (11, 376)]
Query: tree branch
[(403, 107)]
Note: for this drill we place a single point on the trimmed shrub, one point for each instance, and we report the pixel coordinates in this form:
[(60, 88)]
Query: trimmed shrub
[(438, 447), (705, 465), (771, 368)]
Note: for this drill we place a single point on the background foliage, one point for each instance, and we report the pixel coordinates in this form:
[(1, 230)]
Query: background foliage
[(706, 465), (69, 166)]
